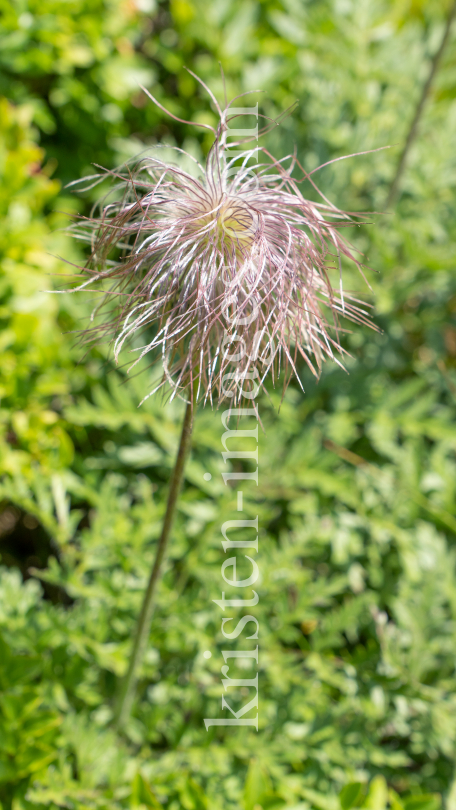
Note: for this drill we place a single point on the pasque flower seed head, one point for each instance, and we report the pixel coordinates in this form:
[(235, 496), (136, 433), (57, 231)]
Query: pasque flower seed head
[(226, 272)]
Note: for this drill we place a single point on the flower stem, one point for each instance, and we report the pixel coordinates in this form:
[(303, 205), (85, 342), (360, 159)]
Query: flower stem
[(141, 635), (413, 130)]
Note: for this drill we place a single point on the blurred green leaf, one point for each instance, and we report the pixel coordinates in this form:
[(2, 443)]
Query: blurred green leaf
[(423, 802), (142, 795), (352, 795), (377, 796)]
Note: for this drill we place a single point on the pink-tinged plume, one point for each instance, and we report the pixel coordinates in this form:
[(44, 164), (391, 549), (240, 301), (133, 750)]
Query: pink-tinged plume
[(226, 272)]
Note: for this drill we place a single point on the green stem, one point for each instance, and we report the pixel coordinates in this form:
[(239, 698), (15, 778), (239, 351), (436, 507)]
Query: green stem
[(413, 130), (141, 635)]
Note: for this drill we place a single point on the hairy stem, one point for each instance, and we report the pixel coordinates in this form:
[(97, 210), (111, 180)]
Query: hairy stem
[(142, 631), (413, 131)]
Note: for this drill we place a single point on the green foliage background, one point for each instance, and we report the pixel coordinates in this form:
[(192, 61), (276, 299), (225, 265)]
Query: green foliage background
[(357, 476)]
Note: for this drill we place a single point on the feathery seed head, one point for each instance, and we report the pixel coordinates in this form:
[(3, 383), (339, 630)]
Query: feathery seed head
[(226, 273)]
